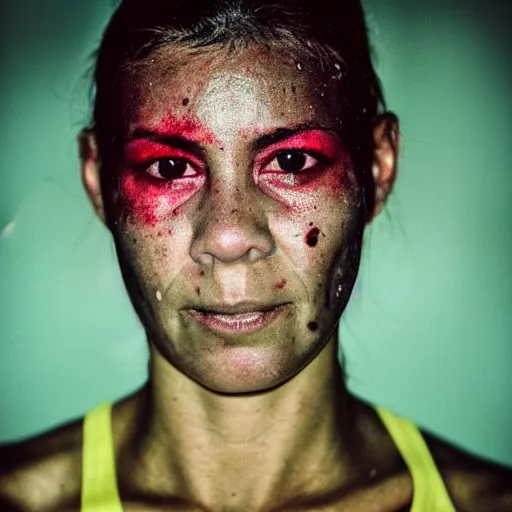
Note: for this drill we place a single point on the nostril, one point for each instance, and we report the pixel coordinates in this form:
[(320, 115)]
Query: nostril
[(205, 259), (254, 255)]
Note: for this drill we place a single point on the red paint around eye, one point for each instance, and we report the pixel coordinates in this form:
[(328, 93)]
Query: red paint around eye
[(329, 175), (148, 201), (184, 126), (314, 141), (145, 151)]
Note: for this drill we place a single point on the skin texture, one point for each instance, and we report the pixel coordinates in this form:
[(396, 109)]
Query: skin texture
[(233, 227), (232, 419)]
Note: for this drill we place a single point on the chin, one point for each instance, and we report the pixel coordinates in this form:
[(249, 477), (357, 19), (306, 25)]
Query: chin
[(237, 370), (232, 370)]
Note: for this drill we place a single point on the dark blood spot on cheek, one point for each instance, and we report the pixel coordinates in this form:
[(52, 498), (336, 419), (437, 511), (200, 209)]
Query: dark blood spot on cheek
[(185, 102), (312, 326), (281, 284), (312, 237)]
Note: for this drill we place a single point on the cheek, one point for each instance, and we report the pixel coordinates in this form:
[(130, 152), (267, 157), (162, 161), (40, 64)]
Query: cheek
[(150, 202)]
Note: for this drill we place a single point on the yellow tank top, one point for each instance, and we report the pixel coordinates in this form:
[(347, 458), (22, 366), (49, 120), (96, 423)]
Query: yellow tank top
[(99, 486)]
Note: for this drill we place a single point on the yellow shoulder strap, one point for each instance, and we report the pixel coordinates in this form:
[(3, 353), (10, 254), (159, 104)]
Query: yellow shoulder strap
[(429, 491), (99, 485)]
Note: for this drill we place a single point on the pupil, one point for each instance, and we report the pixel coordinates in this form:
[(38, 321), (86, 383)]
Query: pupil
[(291, 161), (171, 168)]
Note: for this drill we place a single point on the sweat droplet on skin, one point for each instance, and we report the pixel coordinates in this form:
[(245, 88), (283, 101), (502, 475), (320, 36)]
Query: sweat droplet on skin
[(158, 295)]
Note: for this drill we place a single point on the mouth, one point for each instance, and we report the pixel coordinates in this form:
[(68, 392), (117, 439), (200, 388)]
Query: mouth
[(240, 319)]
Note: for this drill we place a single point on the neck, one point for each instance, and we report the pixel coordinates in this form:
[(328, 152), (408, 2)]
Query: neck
[(247, 451)]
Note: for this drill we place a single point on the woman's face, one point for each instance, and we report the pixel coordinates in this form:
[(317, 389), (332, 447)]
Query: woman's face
[(238, 221)]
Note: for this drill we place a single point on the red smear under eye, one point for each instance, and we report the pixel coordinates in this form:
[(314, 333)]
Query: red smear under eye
[(148, 201), (312, 237), (329, 174)]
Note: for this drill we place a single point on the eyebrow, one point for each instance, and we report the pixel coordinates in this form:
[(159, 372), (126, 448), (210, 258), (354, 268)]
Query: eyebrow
[(175, 141), (196, 149), (280, 134)]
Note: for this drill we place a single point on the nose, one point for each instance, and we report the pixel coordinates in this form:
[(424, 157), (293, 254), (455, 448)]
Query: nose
[(233, 226)]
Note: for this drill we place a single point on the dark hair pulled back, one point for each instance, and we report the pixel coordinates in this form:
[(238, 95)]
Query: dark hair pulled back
[(329, 33)]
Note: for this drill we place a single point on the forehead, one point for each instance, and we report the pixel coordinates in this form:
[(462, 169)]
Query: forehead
[(254, 88)]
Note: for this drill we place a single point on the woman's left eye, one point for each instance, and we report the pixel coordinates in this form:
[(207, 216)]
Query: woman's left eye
[(292, 161)]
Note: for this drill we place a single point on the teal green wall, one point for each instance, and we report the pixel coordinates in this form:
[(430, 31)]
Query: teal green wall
[(428, 331)]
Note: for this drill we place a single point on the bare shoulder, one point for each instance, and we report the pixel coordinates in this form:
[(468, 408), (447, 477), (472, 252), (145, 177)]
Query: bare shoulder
[(42, 473), (475, 484)]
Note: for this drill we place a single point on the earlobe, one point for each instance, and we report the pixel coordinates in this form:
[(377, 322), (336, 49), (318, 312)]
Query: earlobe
[(88, 151), (386, 139)]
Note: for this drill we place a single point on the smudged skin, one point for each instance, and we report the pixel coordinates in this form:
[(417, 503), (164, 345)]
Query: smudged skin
[(219, 193)]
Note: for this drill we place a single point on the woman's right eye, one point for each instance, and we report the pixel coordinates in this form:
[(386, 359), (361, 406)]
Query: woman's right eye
[(171, 169)]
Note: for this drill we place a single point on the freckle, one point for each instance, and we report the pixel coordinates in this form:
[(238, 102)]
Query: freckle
[(160, 233), (234, 210), (198, 290), (281, 284), (185, 102), (169, 232), (310, 223), (134, 240), (312, 326), (201, 273), (314, 207), (222, 149), (294, 90), (312, 237), (158, 295)]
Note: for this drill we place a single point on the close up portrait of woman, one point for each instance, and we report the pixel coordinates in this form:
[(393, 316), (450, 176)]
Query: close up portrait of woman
[(237, 152)]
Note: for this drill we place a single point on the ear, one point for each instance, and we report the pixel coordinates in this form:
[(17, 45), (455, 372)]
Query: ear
[(88, 151), (386, 143)]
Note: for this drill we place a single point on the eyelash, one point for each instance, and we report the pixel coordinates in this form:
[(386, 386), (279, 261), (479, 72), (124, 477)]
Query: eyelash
[(318, 159), (157, 174), (190, 170)]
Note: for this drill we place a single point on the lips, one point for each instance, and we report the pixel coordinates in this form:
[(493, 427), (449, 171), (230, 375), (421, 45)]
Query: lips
[(241, 318)]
